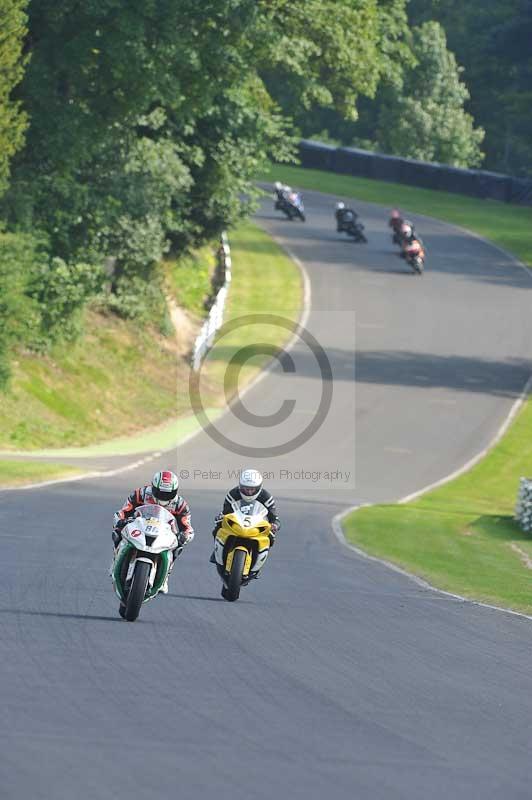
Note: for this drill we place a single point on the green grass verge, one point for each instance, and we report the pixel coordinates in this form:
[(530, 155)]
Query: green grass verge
[(506, 225), (189, 278), (265, 281), (18, 473), (462, 536), (115, 380), (108, 393)]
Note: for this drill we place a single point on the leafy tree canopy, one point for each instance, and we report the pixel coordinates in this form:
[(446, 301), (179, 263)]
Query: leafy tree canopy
[(425, 119), (12, 118)]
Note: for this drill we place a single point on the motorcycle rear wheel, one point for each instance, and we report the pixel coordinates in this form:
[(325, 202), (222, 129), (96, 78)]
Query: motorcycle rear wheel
[(137, 591), (234, 583)]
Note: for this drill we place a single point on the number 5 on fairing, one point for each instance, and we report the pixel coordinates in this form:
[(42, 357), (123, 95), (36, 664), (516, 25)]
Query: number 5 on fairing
[(241, 548)]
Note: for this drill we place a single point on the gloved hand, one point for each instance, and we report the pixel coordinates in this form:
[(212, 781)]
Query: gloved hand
[(185, 538), (273, 533), (217, 521)]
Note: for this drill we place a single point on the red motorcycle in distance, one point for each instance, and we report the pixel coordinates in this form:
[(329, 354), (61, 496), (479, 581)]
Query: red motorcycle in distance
[(414, 254)]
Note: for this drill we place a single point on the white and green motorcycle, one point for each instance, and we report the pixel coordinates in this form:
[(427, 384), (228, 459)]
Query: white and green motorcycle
[(144, 558)]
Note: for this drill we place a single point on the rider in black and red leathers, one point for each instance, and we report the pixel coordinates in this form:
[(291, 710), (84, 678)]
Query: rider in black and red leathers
[(162, 491)]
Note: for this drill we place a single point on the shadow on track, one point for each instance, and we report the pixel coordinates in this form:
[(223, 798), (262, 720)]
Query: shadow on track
[(196, 597), (94, 617)]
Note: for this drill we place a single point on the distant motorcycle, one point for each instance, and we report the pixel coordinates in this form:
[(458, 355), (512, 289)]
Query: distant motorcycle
[(144, 557), (241, 547), (290, 204), (353, 228), (415, 256), (396, 237), (347, 222)]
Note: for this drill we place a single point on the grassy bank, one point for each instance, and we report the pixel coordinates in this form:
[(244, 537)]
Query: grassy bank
[(506, 225), (17, 473), (265, 281), (189, 279), (462, 536), (119, 380)]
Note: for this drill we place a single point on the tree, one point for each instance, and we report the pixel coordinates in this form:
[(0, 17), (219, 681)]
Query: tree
[(151, 118), (425, 119), (13, 120), (493, 42), (322, 57), (511, 46)]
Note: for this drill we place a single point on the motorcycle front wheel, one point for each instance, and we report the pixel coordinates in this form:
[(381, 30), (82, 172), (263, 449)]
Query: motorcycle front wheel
[(234, 583), (137, 591)]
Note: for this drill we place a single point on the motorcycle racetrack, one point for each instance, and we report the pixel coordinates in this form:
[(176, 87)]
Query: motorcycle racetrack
[(332, 677)]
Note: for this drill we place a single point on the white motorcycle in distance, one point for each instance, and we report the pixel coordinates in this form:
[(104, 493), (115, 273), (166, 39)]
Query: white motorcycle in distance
[(241, 546), (143, 559)]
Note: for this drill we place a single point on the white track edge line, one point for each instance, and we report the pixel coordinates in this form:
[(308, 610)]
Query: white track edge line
[(336, 521), (301, 322), (337, 528), (510, 256), (514, 410)]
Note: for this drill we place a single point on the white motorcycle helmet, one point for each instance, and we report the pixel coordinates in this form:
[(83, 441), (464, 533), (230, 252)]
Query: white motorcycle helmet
[(250, 484), (340, 206), (278, 186)]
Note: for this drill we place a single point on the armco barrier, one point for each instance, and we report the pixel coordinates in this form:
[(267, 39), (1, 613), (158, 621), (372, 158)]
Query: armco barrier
[(366, 164), (214, 321)]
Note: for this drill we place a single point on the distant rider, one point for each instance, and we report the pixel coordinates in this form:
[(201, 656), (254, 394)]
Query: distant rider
[(250, 489), (414, 248), (396, 220), (162, 491), (407, 231), (344, 216), (281, 191)]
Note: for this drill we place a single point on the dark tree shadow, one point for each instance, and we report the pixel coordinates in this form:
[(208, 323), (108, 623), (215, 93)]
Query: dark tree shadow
[(500, 526), (205, 598)]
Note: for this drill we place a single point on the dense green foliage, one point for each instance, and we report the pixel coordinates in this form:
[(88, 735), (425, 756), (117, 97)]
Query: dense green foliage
[(148, 120), (425, 118), (12, 118), (492, 43), (419, 109)]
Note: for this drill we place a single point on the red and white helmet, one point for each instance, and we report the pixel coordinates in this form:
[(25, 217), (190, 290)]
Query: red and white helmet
[(164, 487)]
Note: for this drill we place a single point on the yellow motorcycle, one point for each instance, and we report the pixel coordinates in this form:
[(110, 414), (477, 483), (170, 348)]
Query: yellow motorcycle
[(241, 547)]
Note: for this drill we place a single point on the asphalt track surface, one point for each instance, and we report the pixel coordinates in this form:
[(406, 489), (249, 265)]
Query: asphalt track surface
[(332, 676)]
